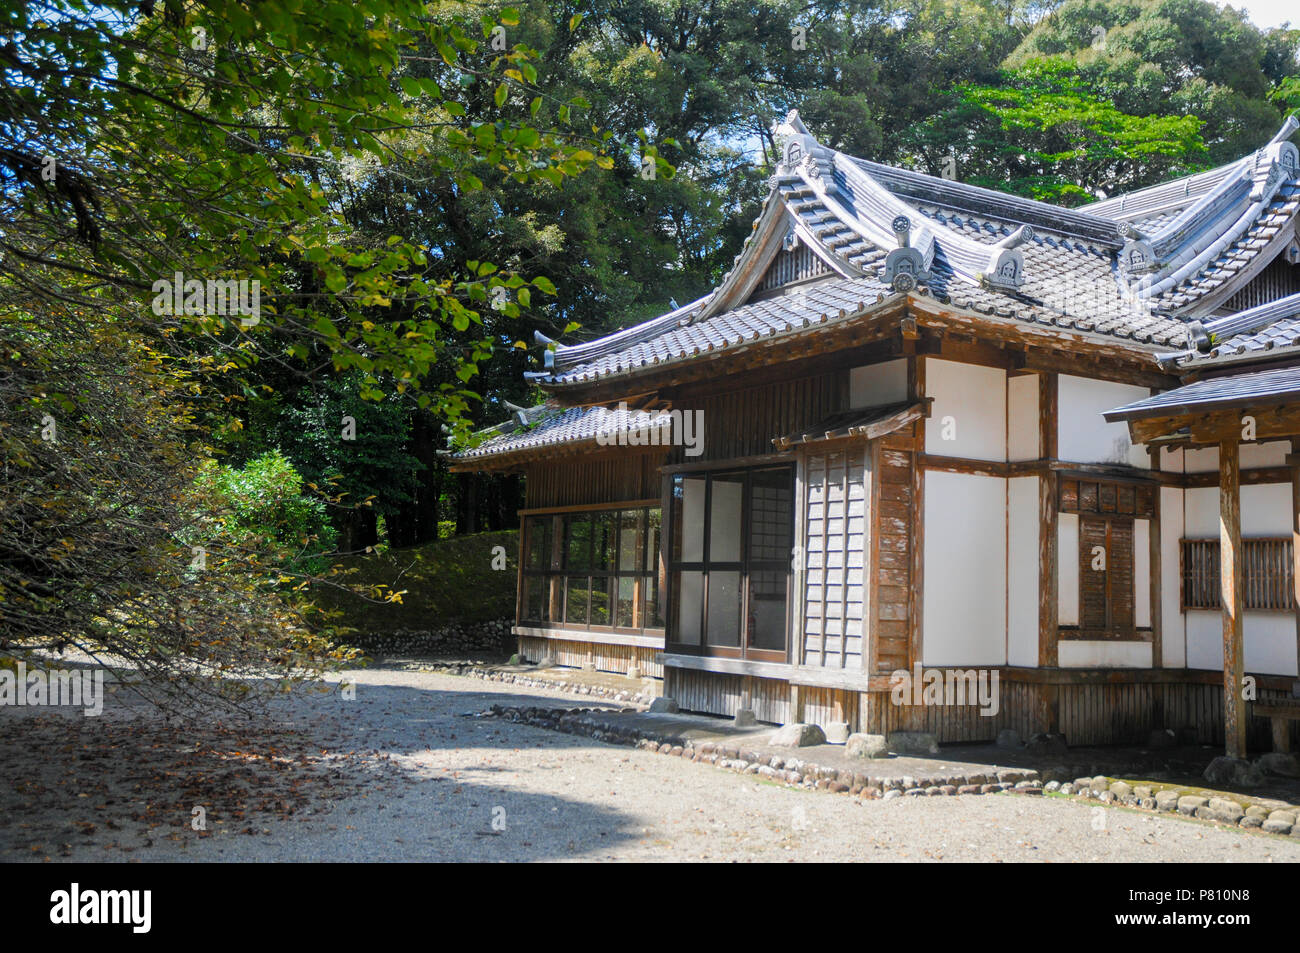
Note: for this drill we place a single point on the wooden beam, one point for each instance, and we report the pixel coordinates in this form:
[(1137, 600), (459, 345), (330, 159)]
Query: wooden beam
[(1232, 593)]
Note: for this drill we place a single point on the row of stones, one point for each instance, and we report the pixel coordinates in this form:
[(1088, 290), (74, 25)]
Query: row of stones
[(474, 670), (1207, 808), (792, 771)]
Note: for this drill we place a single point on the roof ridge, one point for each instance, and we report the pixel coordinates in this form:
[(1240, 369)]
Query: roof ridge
[(1159, 260), (1203, 336), (1002, 205)]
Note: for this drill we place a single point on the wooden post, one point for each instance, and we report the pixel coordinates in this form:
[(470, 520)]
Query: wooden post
[(915, 598), (1293, 461), (556, 595), (1232, 591), (1048, 544), (1153, 541)]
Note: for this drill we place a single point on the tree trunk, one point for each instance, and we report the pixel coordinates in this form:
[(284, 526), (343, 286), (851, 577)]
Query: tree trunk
[(360, 529)]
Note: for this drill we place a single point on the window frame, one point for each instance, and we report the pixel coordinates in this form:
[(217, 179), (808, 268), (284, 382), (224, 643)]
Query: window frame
[(747, 566), (558, 577), (1109, 629), (1273, 593)]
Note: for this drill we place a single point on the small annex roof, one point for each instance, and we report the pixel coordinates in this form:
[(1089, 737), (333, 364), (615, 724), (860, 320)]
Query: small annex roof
[(865, 423), (1276, 386), (549, 426), (1135, 268)]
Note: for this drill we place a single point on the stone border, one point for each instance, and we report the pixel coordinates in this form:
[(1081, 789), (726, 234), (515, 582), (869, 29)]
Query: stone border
[(791, 771), (475, 670), (1214, 808), (794, 772)]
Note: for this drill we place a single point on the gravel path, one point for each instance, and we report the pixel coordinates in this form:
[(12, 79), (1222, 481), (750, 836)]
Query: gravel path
[(401, 773)]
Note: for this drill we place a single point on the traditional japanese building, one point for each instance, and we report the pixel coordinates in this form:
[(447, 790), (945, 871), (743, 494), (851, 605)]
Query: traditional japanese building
[(925, 424)]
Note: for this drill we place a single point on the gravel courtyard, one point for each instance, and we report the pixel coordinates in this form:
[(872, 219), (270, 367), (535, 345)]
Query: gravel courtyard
[(407, 772)]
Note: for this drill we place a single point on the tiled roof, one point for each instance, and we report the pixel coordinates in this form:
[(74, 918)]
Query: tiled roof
[(972, 249), (1257, 235), (550, 425), (1267, 330), (823, 303), (1282, 384)]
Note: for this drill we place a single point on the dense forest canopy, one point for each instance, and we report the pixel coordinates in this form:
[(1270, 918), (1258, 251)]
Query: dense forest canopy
[(397, 194)]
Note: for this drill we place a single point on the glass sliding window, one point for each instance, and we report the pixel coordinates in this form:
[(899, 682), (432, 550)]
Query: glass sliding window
[(592, 570), (732, 534), (538, 540), (771, 540)]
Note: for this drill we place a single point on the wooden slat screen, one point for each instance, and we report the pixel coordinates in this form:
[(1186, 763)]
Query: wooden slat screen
[(1270, 581), (1092, 584), (1106, 594)]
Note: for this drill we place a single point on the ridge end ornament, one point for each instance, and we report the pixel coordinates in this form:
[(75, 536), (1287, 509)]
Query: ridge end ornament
[(904, 266)]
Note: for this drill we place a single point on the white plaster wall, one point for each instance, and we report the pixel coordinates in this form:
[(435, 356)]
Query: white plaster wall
[(1078, 654), (1265, 511), (1200, 460), (1022, 417), (1272, 454), (1085, 436), (965, 570), (1142, 573), (1253, 455), (1173, 625), (1067, 562), (1204, 640), (1022, 571), (1269, 640), (877, 384), (970, 404)]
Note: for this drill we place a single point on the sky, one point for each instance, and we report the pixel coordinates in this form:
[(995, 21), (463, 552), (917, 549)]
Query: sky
[(1268, 13)]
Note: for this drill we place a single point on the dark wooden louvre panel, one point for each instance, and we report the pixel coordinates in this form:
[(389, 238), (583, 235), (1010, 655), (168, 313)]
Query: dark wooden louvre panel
[(1092, 582), (1120, 569), (1277, 280), (790, 266), (1122, 499), (1269, 574)]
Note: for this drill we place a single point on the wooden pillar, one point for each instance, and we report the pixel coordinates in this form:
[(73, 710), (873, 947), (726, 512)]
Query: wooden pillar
[(556, 595), (1293, 461), (1232, 593), (915, 597), (1153, 549), (1048, 545)]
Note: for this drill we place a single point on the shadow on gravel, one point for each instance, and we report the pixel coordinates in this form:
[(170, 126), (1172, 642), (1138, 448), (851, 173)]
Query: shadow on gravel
[(398, 773)]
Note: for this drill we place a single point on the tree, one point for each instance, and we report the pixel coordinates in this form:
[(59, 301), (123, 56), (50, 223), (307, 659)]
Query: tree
[(1173, 58), (1041, 133), (171, 180)]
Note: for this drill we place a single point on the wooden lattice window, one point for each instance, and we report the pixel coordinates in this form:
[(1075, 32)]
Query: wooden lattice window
[(1268, 571)]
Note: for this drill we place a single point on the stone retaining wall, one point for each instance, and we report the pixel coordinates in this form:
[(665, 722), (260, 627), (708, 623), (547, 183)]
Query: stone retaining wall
[(475, 670), (453, 638)]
